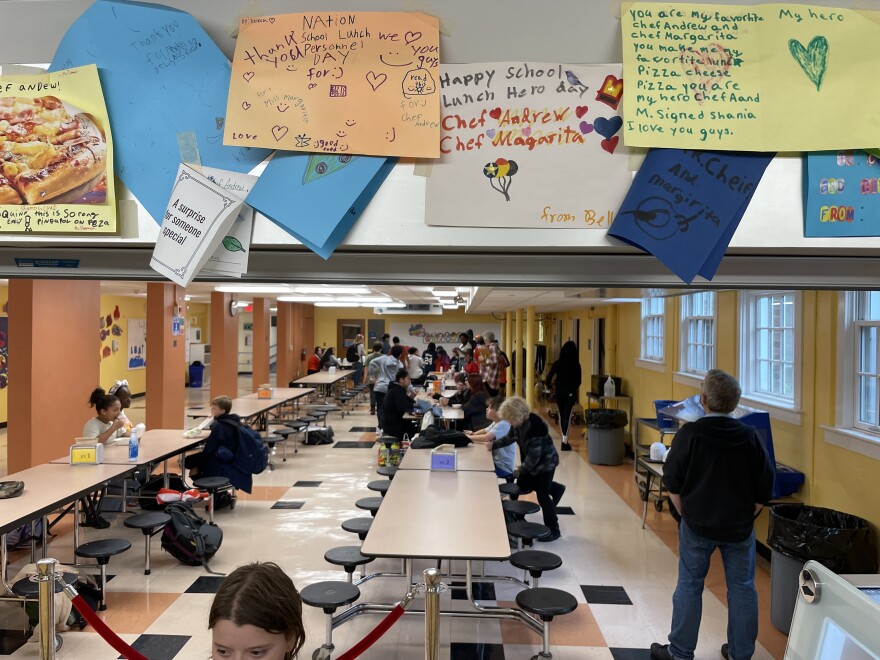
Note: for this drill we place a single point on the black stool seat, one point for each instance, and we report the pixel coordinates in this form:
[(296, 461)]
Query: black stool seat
[(387, 471), (308, 419), (147, 521), (509, 489), (535, 561), (347, 555), (284, 433), (210, 483), (520, 507), (380, 485), (359, 526), (103, 549), (325, 407), (370, 504), (27, 588), (528, 531), (329, 595), (545, 603), (296, 425)]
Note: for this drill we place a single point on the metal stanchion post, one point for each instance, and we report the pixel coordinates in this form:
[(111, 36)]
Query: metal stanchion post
[(46, 580), (433, 587)]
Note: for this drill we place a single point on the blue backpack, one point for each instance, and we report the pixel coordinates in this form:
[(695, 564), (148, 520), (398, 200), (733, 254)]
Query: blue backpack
[(252, 455)]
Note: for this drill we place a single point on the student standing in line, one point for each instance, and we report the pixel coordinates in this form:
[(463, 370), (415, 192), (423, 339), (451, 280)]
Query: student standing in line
[(387, 366), (441, 363), (256, 613), (386, 343), (565, 378), (355, 355), (415, 367), (719, 478), (372, 375), (490, 368), (429, 355)]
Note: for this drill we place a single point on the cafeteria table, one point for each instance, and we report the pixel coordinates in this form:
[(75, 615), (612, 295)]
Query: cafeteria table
[(472, 458)]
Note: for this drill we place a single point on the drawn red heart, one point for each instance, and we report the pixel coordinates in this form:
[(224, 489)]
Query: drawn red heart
[(580, 111), (376, 80), (247, 75), (409, 37), (610, 145), (527, 131), (245, 105), (495, 114), (279, 132)]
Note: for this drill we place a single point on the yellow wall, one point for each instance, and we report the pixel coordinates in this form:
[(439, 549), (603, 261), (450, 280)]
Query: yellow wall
[(198, 315), (115, 367)]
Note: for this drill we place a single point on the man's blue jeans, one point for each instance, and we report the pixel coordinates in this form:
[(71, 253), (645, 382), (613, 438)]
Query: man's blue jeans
[(687, 601)]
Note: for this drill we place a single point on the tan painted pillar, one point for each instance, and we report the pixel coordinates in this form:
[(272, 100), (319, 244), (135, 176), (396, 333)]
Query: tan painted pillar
[(261, 342), (302, 338), (285, 360), (509, 349), (54, 364), (518, 333), (166, 358), (224, 347), (530, 356)]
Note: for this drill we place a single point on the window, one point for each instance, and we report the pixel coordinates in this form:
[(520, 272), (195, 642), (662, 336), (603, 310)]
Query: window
[(866, 325), (698, 332), (770, 342), (653, 320)]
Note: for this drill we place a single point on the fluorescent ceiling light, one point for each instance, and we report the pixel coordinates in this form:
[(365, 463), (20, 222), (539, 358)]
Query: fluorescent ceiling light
[(337, 304), (450, 306), (444, 293), (253, 288), (306, 299), (394, 305), (371, 300), (331, 290)]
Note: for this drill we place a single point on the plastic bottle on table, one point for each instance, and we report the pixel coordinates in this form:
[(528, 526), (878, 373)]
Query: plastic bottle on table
[(133, 445)]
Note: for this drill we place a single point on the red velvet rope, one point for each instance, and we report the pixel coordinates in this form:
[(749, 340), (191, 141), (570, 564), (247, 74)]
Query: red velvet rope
[(104, 630), (374, 635)]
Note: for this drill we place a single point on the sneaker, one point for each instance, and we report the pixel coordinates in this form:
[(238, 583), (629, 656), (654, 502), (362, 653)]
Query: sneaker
[(566, 446), (552, 536), (660, 652), (724, 651)]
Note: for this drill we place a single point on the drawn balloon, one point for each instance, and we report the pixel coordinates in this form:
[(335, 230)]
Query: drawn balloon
[(502, 170)]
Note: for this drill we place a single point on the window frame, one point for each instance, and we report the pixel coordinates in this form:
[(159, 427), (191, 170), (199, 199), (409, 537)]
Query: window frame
[(656, 319), (688, 318)]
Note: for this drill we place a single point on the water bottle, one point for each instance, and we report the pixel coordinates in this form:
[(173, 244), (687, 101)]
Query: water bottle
[(133, 445), (610, 389)]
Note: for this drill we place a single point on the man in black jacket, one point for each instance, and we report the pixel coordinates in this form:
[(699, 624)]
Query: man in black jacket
[(719, 477)]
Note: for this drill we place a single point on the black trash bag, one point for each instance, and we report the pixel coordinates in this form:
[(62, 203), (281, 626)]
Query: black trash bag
[(839, 541), (605, 418)]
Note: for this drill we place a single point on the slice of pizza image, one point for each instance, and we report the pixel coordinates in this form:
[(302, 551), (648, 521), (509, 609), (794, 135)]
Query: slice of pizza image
[(50, 153)]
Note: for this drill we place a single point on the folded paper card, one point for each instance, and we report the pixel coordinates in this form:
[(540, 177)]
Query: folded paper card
[(842, 194), (230, 259), (684, 206)]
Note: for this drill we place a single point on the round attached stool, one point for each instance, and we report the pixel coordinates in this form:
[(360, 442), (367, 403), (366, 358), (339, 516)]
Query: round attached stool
[(509, 489), (535, 562), (387, 471), (526, 532), (347, 556), (546, 603), (370, 504), (519, 509), (359, 526), (27, 588), (282, 436), (212, 486), (102, 551), (149, 523), (380, 486), (329, 596), (307, 419)]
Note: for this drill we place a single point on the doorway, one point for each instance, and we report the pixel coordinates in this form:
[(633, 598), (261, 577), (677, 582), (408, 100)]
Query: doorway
[(599, 346), (346, 331)]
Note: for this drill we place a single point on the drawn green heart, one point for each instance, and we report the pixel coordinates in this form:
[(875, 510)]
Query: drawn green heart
[(813, 59)]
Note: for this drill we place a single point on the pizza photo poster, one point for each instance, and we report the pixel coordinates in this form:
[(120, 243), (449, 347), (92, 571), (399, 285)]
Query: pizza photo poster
[(56, 154), (529, 145)]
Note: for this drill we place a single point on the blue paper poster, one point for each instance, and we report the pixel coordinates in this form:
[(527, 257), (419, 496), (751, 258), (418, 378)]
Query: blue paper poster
[(165, 83), (685, 205), (842, 194), (317, 198)]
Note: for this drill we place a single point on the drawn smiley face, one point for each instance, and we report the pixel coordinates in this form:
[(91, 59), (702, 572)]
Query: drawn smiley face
[(391, 135), (393, 57), (291, 67), (341, 134), (350, 122), (282, 107)]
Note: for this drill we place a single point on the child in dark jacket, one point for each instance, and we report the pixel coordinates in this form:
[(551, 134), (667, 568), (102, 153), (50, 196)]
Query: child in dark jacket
[(217, 458)]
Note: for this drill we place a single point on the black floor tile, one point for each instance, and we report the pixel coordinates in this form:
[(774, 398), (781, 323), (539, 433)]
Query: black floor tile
[(160, 647), (481, 590), (206, 584), (630, 654), (564, 511), (12, 640), (287, 504), (605, 595), (306, 484), (470, 651), (353, 444), (362, 429)]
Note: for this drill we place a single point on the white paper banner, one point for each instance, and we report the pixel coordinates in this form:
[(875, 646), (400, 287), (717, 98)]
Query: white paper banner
[(529, 145), (198, 216), (230, 259)]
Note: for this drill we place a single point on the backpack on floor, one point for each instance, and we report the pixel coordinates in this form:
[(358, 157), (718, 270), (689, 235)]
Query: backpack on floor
[(149, 491), (319, 436), (190, 538)]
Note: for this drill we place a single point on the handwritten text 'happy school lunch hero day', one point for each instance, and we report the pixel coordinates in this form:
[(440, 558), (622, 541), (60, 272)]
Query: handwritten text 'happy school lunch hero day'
[(724, 77)]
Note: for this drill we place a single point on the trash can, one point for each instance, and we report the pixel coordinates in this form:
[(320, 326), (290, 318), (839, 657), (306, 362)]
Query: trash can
[(605, 436), (840, 541), (196, 373)]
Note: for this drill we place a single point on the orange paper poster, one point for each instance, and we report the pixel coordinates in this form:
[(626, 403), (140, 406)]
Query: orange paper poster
[(338, 82)]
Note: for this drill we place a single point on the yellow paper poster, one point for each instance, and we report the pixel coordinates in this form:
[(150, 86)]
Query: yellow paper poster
[(337, 82), (776, 77), (56, 154)]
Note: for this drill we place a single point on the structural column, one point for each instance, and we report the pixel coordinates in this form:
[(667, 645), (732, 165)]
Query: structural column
[(530, 356), (224, 346), (261, 342), (166, 357), (54, 364), (509, 348), (520, 357), (285, 360)]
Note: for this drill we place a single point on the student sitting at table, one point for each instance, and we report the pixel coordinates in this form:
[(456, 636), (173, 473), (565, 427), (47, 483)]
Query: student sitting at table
[(397, 403), (314, 364), (474, 408), (106, 425), (217, 458), (504, 457), (415, 367), (329, 359), (120, 390)]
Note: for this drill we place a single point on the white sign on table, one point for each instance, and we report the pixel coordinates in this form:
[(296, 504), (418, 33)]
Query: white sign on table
[(231, 256), (198, 216)]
